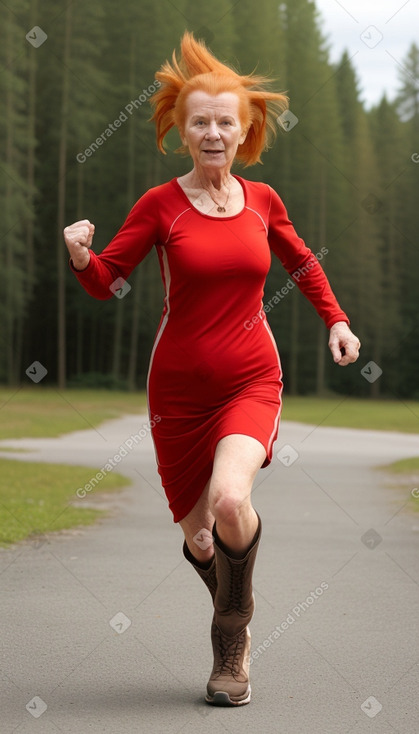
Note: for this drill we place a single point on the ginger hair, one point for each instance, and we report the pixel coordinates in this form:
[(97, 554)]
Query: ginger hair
[(199, 69)]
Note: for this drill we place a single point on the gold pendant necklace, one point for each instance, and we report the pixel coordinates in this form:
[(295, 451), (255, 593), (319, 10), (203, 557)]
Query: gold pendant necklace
[(220, 208)]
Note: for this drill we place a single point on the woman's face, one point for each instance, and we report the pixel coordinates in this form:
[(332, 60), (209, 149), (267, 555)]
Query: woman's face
[(212, 128)]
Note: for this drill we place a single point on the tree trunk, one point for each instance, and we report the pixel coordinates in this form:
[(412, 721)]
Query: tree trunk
[(133, 352), (117, 338), (80, 310), (9, 285), (62, 171), (321, 347), (294, 345), (135, 305), (30, 255), (30, 198)]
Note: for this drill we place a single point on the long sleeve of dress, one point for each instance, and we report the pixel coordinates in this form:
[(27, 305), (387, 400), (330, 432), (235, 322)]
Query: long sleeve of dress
[(130, 245), (301, 263)]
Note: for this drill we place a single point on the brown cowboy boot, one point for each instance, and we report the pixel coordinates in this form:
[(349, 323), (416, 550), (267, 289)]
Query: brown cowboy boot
[(234, 605), (208, 575)]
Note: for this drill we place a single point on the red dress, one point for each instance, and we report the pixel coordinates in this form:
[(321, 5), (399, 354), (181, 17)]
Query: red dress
[(214, 367)]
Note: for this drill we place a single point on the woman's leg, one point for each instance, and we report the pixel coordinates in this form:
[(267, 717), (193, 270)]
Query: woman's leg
[(237, 460), (226, 499), (230, 560), (198, 547), (197, 526)]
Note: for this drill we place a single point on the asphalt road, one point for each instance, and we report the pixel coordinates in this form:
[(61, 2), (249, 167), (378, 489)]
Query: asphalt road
[(106, 629)]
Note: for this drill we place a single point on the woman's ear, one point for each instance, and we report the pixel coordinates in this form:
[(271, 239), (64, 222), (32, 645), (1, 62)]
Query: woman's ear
[(243, 136)]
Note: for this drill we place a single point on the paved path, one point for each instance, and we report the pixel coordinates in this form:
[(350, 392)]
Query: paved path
[(335, 633)]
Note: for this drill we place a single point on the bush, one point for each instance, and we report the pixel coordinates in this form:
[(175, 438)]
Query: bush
[(99, 381)]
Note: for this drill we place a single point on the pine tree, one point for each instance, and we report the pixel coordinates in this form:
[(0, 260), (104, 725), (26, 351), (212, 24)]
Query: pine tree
[(408, 224), (14, 191), (359, 254), (408, 96), (69, 116), (214, 24), (386, 134), (301, 177)]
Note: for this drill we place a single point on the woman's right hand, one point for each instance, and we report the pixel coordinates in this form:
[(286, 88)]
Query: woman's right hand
[(78, 238)]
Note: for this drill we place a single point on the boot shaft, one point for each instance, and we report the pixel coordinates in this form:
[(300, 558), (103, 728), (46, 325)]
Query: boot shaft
[(208, 575), (234, 600)]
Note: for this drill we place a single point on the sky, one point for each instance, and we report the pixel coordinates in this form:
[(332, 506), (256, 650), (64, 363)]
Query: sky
[(377, 34)]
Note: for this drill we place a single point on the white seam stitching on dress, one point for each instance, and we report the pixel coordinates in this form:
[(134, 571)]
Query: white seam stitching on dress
[(174, 222), (259, 215), (276, 422), (167, 279)]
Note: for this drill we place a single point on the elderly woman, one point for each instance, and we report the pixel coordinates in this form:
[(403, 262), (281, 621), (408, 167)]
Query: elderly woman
[(214, 384)]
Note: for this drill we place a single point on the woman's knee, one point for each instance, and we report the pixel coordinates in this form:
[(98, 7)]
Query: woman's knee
[(229, 505)]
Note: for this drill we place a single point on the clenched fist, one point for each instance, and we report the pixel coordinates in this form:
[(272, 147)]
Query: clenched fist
[(343, 344), (78, 238)]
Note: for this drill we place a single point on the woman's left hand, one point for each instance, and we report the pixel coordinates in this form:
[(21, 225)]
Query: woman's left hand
[(343, 344)]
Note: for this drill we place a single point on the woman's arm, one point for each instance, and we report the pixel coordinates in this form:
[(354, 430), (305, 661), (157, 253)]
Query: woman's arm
[(133, 241), (305, 269)]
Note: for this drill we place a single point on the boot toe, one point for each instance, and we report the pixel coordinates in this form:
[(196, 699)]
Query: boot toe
[(234, 694)]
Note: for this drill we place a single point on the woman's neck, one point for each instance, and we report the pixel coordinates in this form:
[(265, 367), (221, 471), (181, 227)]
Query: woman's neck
[(210, 179)]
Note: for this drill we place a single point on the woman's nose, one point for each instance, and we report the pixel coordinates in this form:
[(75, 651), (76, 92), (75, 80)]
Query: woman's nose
[(212, 132)]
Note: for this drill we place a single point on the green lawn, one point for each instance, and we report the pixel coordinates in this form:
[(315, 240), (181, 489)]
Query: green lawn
[(380, 415), (37, 412), (407, 471), (40, 498), (405, 466)]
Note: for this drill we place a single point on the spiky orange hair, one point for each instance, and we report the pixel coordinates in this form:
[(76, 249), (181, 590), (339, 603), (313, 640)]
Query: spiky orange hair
[(198, 69)]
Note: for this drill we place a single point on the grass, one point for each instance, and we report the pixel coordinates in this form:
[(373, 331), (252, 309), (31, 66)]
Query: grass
[(12, 450), (38, 498), (405, 466), (339, 411), (37, 412), (407, 471)]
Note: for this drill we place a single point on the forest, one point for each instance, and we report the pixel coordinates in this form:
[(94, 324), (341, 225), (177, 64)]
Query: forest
[(77, 143)]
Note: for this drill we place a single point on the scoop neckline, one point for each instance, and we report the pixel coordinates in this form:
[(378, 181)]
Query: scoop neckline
[(210, 216)]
